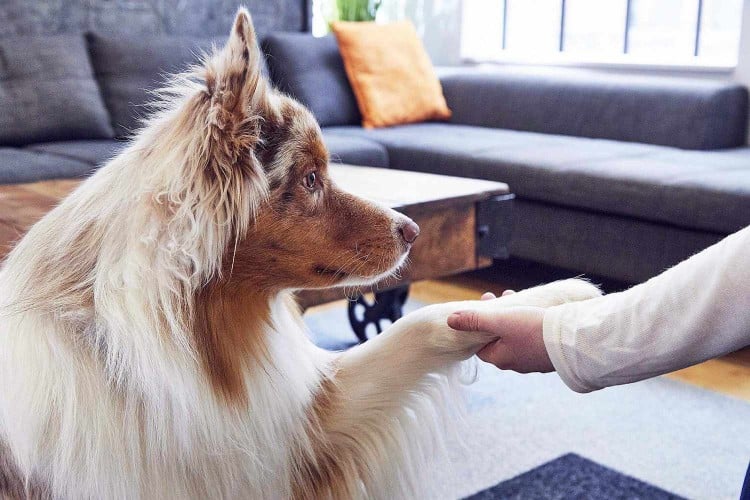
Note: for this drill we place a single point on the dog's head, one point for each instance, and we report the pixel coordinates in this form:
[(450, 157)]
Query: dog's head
[(261, 164)]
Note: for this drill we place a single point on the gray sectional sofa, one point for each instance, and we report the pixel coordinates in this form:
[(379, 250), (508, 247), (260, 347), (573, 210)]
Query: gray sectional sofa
[(616, 177)]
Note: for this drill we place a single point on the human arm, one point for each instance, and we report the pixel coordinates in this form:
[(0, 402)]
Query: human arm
[(695, 311)]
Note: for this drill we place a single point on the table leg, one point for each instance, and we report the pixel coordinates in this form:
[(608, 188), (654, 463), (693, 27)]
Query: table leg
[(387, 305)]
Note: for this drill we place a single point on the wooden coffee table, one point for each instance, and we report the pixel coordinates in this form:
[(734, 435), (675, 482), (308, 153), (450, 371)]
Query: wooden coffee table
[(465, 223)]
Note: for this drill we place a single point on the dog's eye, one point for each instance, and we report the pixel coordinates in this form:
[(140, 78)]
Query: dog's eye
[(310, 180)]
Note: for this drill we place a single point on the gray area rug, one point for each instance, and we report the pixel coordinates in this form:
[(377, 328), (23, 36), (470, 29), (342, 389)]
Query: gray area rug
[(682, 439), (571, 476)]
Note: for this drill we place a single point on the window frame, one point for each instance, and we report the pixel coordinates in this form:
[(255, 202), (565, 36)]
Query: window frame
[(623, 60)]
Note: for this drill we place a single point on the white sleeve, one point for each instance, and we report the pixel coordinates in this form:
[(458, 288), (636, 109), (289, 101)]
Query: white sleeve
[(697, 310)]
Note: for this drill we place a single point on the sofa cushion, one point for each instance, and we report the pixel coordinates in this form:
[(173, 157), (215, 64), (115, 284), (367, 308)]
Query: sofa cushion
[(91, 152), (700, 190), (345, 148), (451, 149), (128, 67), (19, 165), (708, 191), (311, 70), (390, 73), (48, 91), (683, 113)]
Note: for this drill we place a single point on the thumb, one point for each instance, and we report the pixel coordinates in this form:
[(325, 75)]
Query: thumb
[(469, 321)]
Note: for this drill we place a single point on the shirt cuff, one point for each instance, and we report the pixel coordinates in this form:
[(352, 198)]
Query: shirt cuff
[(560, 342)]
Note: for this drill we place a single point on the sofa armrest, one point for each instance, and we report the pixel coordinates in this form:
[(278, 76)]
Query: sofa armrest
[(683, 113)]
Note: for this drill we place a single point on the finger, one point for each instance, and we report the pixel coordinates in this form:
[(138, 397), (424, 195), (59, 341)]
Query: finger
[(508, 292), (488, 296), (481, 320), (497, 354), (466, 321), (488, 319)]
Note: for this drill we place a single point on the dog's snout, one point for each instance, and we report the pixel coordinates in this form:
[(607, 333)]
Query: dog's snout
[(409, 231)]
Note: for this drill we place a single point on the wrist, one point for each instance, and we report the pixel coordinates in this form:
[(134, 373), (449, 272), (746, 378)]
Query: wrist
[(558, 335)]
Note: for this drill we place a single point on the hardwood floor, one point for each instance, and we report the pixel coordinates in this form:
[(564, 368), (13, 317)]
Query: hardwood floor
[(728, 375)]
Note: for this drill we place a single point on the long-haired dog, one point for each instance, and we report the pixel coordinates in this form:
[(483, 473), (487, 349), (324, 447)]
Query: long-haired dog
[(149, 347)]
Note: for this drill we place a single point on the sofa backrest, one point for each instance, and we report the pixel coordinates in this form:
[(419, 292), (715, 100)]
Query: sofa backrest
[(312, 71), (688, 114), (142, 25), (147, 18), (129, 68), (48, 91)]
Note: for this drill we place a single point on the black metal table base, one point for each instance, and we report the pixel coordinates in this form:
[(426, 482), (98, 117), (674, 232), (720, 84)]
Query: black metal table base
[(387, 305)]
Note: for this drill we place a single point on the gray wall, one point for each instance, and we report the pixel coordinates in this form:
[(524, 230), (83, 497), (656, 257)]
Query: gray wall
[(183, 17)]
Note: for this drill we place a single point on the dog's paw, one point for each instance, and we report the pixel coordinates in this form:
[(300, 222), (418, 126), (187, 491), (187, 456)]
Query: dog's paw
[(553, 294), (427, 328)]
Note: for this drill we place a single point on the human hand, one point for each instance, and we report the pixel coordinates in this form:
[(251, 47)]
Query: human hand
[(521, 344)]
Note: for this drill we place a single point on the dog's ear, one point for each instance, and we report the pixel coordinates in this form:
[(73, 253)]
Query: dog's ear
[(226, 176), (234, 78)]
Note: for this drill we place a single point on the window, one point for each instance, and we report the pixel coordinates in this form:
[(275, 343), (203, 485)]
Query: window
[(660, 32), (536, 27), (594, 28)]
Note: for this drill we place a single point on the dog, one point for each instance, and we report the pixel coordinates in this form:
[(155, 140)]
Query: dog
[(150, 346)]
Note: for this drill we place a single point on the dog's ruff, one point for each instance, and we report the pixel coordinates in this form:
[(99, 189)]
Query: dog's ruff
[(149, 347)]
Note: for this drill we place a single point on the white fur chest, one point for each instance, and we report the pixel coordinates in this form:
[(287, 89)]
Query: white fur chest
[(90, 438)]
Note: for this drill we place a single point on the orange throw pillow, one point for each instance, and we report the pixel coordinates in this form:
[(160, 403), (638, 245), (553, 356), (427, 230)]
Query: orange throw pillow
[(391, 74)]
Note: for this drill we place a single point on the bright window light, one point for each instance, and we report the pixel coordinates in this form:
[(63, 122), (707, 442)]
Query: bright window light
[(648, 32), (662, 28), (721, 21), (482, 28), (535, 25), (594, 28)]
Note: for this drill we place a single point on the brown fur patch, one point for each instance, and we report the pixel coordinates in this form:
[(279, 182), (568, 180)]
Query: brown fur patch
[(325, 473), (274, 133), (60, 280), (229, 335)]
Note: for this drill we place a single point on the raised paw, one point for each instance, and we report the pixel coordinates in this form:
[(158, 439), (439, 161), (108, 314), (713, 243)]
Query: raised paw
[(552, 294), (427, 331)]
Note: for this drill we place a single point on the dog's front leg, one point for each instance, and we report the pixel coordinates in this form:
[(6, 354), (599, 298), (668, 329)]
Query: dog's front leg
[(422, 342), (393, 392)]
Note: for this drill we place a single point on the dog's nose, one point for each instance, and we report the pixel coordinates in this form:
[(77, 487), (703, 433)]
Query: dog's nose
[(409, 231)]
